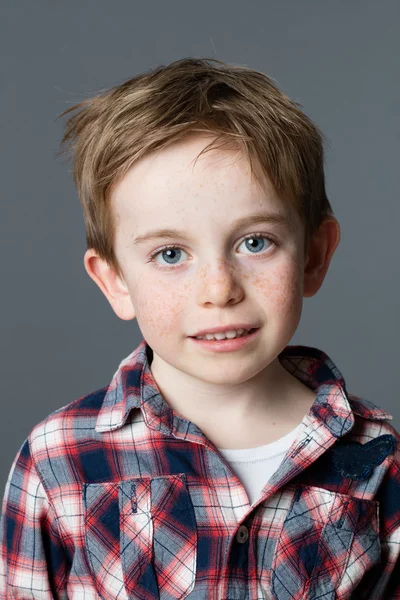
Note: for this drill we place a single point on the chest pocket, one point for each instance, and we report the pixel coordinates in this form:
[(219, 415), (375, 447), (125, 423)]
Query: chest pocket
[(326, 538), (141, 538)]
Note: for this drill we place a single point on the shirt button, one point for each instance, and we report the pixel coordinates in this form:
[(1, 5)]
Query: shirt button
[(242, 534)]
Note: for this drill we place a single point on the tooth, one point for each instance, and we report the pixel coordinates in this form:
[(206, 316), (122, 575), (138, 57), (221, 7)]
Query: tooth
[(232, 334), (219, 336)]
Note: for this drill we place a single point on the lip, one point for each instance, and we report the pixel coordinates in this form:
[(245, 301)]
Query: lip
[(227, 345), (224, 329)]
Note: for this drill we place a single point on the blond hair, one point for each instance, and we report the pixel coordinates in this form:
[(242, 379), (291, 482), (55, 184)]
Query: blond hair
[(242, 107)]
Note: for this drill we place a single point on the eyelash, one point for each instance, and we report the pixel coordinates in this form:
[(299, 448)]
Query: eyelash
[(154, 254)]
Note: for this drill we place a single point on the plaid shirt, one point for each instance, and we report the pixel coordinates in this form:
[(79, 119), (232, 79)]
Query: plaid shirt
[(117, 496)]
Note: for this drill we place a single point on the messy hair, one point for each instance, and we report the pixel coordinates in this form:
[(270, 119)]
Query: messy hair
[(241, 108)]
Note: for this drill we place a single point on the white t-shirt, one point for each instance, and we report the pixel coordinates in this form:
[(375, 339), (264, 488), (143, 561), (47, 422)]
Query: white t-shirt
[(255, 466)]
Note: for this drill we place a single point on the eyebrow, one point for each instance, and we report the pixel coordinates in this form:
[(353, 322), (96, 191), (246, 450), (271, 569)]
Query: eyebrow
[(272, 218)]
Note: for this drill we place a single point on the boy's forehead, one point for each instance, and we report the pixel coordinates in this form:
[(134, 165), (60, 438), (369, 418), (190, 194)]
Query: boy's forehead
[(169, 190), (167, 217), (174, 183), (182, 164)]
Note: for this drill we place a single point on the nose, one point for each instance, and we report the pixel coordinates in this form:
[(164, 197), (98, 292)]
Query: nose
[(220, 285)]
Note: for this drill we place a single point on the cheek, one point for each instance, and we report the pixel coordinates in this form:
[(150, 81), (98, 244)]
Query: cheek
[(281, 289), (159, 308)]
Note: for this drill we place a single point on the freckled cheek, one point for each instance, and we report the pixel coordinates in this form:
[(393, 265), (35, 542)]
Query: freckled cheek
[(281, 290), (158, 309)]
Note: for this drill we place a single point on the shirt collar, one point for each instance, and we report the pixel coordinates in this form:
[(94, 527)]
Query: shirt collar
[(133, 386)]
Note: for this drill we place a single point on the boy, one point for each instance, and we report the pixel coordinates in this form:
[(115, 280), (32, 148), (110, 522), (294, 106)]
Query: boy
[(228, 467)]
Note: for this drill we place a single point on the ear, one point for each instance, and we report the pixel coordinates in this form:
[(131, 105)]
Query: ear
[(322, 246), (113, 287)]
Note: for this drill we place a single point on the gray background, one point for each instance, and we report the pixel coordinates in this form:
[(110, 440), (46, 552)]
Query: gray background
[(60, 339)]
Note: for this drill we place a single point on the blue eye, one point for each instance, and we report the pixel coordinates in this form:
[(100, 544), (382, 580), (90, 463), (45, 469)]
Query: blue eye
[(169, 252)]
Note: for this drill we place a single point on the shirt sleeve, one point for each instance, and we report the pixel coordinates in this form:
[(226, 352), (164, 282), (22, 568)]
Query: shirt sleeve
[(388, 584), (383, 581), (391, 577), (33, 563)]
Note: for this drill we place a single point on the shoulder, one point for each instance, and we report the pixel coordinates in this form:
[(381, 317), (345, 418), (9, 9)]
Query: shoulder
[(66, 429), (367, 409), (375, 422)]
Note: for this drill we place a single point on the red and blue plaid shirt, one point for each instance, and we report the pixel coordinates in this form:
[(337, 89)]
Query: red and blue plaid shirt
[(117, 496)]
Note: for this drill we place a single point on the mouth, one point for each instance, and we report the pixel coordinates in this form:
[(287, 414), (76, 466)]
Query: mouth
[(228, 344), (223, 340)]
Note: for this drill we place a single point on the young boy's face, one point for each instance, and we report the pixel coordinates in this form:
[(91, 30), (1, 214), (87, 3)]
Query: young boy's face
[(211, 277)]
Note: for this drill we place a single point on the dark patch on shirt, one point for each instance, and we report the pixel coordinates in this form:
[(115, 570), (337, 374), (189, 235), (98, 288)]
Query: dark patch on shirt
[(356, 461)]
